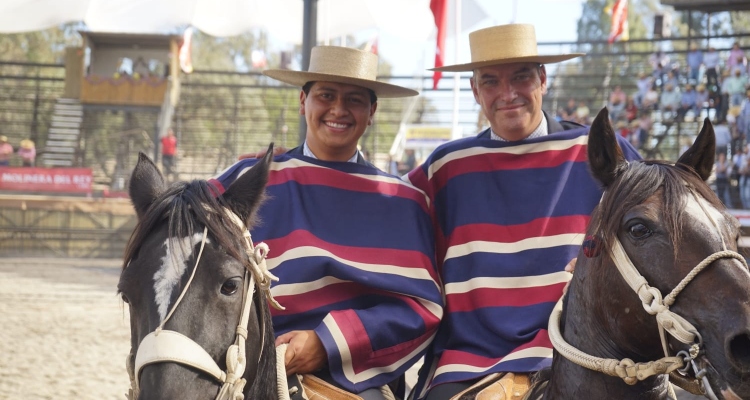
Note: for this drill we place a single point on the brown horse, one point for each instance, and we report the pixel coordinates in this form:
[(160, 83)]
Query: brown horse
[(195, 285), (659, 274)]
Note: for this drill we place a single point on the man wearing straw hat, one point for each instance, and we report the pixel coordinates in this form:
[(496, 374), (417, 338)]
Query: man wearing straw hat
[(510, 207), (352, 245)]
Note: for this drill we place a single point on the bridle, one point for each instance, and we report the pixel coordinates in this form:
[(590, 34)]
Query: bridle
[(163, 345), (655, 304)]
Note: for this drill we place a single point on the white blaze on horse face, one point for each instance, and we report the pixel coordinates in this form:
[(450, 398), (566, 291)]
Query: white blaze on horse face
[(703, 214), (173, 266)]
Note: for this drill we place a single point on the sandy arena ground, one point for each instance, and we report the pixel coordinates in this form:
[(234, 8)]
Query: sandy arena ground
[(64, 332)]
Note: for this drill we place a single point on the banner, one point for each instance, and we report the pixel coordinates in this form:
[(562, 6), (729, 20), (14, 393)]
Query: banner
[(619, 28), (440, 12), (59, 180)]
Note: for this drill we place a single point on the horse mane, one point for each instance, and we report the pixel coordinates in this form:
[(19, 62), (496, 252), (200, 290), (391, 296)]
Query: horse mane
[(641, 180), (187, 207)]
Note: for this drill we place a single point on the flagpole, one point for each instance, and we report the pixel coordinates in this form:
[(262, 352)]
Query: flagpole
[(455, 133)]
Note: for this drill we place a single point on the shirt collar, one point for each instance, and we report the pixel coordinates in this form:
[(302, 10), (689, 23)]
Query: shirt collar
[(540, 131), (308, 153)]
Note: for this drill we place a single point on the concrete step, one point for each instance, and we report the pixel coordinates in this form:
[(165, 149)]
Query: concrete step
[(67, 138), (73, 112), (55, 156), (61, 143), (59, 150), (64, 131), (67, 119), (57, 163), (61, 124)]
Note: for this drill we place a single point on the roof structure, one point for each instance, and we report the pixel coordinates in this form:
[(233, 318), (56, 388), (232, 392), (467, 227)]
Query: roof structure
[(708, 6)]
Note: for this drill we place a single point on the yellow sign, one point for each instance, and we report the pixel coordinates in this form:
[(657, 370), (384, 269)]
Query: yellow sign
[(428, 132)]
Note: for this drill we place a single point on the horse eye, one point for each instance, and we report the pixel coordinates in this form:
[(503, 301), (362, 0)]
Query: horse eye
[(125, 298), (230, 287), (639, 231)]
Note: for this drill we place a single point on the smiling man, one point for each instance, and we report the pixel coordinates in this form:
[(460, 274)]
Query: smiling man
[(352, 245), (510, 205)]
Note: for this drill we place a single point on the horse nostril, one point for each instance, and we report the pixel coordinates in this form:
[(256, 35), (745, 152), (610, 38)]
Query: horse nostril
[(739, 351)]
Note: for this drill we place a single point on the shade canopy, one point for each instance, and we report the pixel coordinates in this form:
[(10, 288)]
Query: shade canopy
[(281, 18)]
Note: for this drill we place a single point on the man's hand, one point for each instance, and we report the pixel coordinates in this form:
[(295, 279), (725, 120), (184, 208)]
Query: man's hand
[(570, 267), (276, 151), (305, 353)]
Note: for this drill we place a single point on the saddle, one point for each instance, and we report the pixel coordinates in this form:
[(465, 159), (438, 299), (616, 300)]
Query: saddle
[(310, 387), (498, 386)]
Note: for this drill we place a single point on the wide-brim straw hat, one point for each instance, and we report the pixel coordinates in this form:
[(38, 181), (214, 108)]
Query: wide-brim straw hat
[(27, 144), (3, 138), (504, 44), (341, 65)]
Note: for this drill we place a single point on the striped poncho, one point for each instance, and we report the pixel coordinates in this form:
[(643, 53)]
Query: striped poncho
[(354, 251), (508, 217)]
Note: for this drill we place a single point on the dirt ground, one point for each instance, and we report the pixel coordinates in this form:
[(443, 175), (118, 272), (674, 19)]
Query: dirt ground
[(64, 333)]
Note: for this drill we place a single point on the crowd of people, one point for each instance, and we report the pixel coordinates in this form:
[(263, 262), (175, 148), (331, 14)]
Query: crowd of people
[(25, 151)]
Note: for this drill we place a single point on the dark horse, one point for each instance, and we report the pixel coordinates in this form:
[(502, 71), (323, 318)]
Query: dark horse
[(681, 242), (168, 246)]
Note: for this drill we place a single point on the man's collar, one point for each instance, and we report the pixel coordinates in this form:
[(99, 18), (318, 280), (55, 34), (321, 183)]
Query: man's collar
[(308, 153), (541, 130)]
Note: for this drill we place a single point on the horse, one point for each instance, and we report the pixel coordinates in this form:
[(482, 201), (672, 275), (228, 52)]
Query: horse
[(658, 286), (197, 289)]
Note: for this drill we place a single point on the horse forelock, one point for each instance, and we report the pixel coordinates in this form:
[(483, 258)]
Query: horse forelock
[(187, 207), (654, 181)]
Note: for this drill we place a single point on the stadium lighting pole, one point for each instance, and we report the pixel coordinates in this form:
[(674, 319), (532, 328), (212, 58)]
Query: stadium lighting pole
[(309, 38)]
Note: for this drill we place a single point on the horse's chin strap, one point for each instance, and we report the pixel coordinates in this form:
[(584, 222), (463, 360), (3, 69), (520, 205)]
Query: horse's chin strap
[(654, 304), (170, 346)]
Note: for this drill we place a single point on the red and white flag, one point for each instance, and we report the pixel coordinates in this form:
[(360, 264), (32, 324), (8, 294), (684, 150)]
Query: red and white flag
[(619, 29), (440, 12), (186, 62)]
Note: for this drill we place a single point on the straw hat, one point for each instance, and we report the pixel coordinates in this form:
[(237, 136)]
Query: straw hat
[(27, 144), (3, 138), (504, 44), (342, 65)]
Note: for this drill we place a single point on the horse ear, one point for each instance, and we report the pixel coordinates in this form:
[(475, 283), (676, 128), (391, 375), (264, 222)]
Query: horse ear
[(605, 156), (146, 184), (245, 195), (700, 156)]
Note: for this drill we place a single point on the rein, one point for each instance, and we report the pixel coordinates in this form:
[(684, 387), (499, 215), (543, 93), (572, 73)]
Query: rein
[(655, 304), (163, 345)]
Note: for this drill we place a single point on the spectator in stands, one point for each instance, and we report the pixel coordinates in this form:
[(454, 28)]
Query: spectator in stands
[(616, 103), (27, 152), (582, 114), (743, 119), (408, 162), (734, 87), (631, 109), (744, 173), (736, 60), (687, 102), (694, 62), (168, 152), (644, 83), (723, 137), (671, 79), (6, 150), (701, 97), (660, 64), (568, 113), (722, 179), (711, 62), (669, 101), (651, 99)]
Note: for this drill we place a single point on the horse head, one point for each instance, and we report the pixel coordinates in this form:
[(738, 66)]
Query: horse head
[(186, 271), (665, 265)]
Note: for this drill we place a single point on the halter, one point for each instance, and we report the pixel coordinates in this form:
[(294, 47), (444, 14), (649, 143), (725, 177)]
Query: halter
[(655, 304), (163, 345)]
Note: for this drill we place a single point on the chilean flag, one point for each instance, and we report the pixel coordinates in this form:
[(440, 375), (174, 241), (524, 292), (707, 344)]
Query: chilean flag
[(440, 12), (619, 21)]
